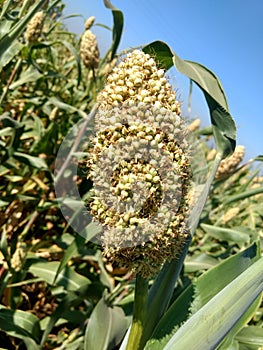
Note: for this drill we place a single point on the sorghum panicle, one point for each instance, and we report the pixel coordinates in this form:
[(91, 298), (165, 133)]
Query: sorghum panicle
[(228, 165), (230, 214), (211, 155), (89, 51), (19, 256), (140, 167), (194, 125), (34, 28), (138, 79), (89, 22)]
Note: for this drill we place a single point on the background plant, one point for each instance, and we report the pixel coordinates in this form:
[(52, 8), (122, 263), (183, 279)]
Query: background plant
[(56, 289)]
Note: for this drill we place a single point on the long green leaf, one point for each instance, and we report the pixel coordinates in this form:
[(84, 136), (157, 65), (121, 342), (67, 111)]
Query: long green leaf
[(224, 128), (68, 108), (243, 195), (117, 26), (226, 234), (246, 317), (251, 335), (7, 40), (106, 327), (69, 253), (19, 323), (67, 278), (198, 294), (35, 162), (208, 326), (13, 50), (76, 56), (199, 262), (30, 75)]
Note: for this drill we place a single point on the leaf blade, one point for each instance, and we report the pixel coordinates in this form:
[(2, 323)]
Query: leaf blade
[(19, 323), (223, 125), (207, 326)]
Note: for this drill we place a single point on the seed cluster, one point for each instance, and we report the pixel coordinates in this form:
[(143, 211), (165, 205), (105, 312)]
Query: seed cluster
[(227, 166), (137, 79), (89, 22), (194, 126), (140, 167), (89, 51), (230, 214), (19, 256), (34, 27)]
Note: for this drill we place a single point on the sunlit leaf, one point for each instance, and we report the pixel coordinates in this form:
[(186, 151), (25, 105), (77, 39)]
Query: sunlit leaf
[(243, 195), (223, 125), (117, 26)]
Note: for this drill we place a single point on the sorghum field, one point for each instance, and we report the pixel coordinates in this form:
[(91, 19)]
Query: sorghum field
[(124, 225)]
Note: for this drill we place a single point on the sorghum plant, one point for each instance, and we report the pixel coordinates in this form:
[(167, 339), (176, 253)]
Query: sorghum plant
[(120, 227)]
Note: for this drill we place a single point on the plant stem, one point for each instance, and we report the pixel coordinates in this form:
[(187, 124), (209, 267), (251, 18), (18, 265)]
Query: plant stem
[(139, 313)]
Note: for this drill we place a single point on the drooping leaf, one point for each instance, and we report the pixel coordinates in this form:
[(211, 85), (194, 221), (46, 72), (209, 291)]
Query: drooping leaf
[(117, 26), (6, 120), (3, 203), (68, 108), (199, 263), (224, 128), (259, 158), (76, 56)]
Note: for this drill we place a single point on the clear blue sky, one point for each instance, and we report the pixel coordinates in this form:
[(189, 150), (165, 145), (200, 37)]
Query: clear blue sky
[(224, 35)]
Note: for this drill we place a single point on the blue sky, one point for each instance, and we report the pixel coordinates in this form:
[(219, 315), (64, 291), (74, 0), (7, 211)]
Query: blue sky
[(224, 35)]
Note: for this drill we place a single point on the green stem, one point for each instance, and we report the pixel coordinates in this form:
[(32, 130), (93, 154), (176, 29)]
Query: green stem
[(139, 313)]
